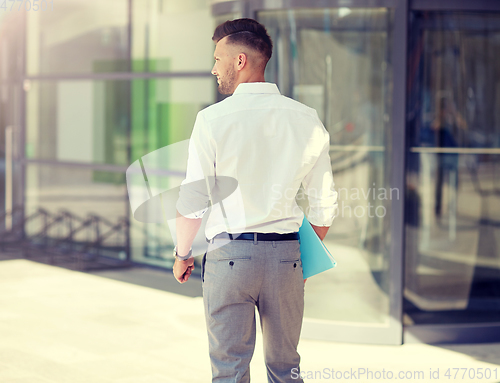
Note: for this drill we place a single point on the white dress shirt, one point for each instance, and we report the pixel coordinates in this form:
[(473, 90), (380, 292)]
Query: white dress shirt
[(270, 144)]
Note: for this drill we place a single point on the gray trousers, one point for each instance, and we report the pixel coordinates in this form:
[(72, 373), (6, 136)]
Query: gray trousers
[(238, 277)]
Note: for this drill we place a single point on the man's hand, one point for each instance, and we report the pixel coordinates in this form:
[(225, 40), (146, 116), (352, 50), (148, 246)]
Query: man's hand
[(320, 231), (183, 269)]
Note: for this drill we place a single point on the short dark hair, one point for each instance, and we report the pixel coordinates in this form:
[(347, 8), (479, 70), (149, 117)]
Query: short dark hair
[(247, 32)]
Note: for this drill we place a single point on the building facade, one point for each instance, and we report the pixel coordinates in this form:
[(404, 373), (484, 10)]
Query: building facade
[(408, 90)]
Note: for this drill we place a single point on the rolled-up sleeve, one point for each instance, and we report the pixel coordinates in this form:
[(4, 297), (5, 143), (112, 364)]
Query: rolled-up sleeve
[(319, 187), (194, 191)]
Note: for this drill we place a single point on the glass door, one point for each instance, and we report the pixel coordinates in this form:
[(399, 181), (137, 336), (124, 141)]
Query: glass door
[(453, 170), (339, 61)]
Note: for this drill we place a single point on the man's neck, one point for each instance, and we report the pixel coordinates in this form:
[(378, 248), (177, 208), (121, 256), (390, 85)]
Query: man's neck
[(256, 77)]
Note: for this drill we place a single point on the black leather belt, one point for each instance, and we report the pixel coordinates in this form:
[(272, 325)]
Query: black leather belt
[(260, 236)]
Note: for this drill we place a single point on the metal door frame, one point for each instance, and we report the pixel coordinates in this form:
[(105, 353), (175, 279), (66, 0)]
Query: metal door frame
[(15, 121)]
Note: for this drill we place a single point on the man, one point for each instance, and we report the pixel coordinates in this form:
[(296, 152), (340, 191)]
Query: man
[(270, 145)]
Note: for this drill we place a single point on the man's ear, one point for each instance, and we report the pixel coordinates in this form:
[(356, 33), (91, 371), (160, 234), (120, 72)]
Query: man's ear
[(241, 61)]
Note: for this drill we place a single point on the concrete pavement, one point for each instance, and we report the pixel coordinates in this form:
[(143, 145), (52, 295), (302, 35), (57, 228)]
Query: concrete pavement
[(62, 326)]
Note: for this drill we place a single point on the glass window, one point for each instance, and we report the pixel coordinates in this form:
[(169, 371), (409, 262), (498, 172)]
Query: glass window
[(172, 36), (72, 194), (11, 47), (164, 111), (338, 62), (78, 36), (88, 121), (453, 169), (78, 121)]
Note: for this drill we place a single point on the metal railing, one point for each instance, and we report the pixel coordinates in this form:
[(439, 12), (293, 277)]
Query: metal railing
[(65, 239)]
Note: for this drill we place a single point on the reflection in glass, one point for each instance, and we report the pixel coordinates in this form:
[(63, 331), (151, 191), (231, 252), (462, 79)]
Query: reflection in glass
[(452, 200), (78, 121), (163, 112), (11, 44), (78, 37), (172, 36), (79, 192), (338, 62), (87, 121), (112, 123)]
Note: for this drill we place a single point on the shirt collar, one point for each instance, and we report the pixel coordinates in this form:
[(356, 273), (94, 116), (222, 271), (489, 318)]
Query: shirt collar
[(257, 87)]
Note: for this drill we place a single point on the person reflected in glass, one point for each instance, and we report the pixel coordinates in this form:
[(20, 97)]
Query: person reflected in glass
[(445, 127)]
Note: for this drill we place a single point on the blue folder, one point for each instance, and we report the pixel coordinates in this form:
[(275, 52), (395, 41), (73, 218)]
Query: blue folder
[(314, 255)]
